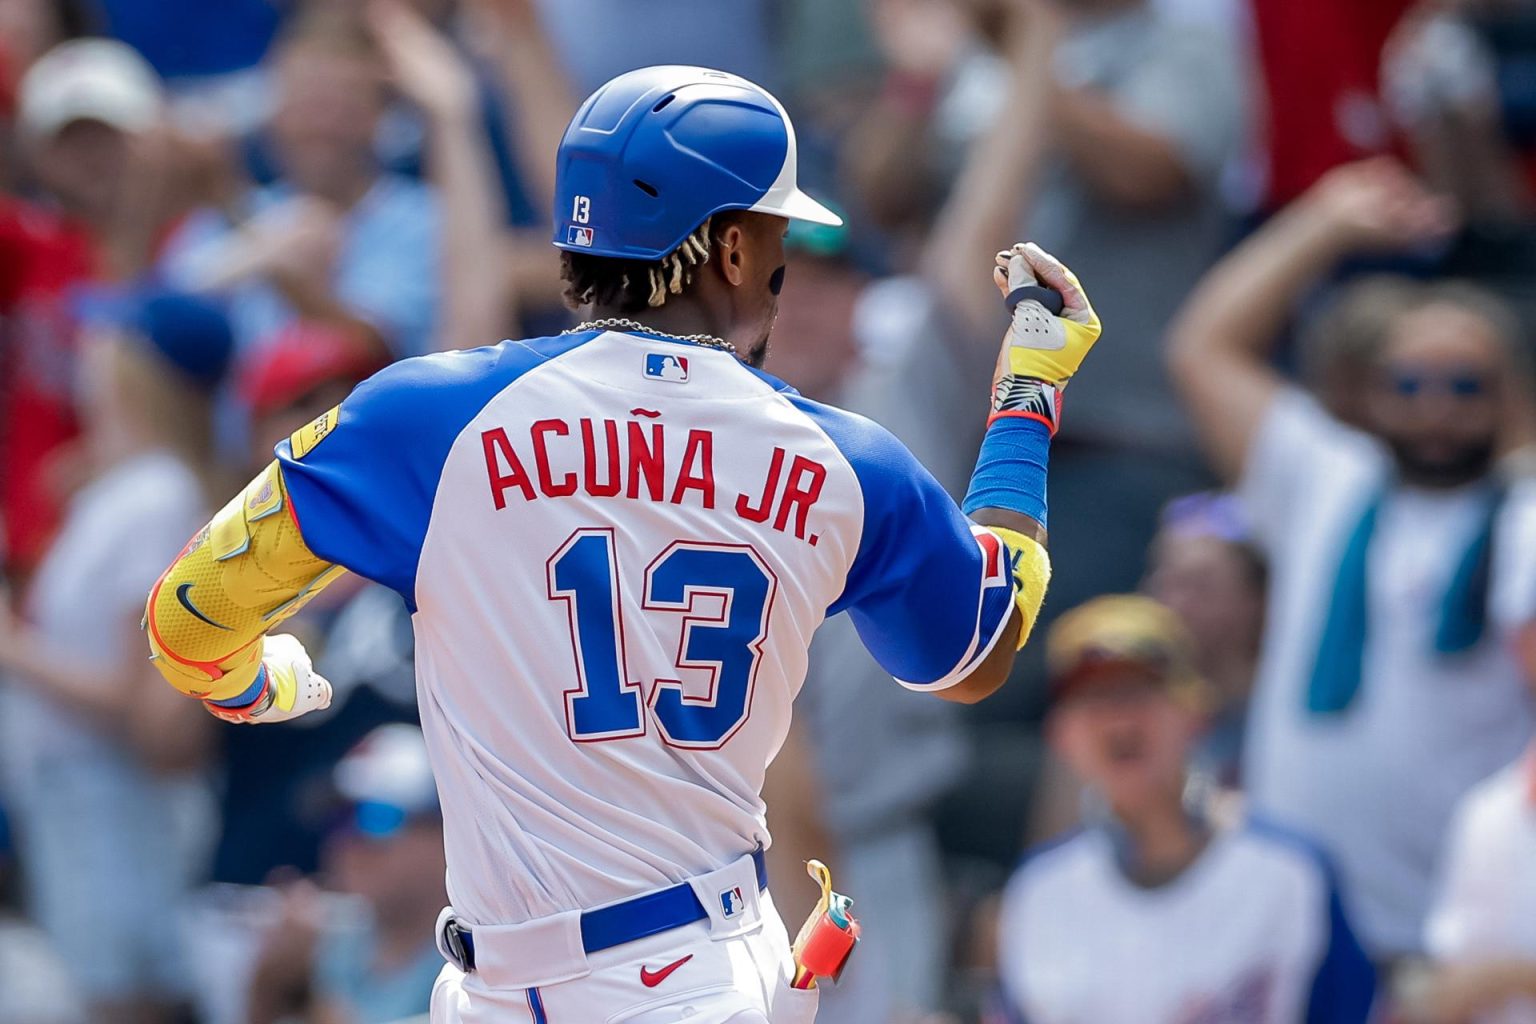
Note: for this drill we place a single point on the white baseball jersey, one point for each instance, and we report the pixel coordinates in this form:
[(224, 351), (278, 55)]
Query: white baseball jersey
[(616, 549), (1251, 933), (1376, 784), (1485, 907)]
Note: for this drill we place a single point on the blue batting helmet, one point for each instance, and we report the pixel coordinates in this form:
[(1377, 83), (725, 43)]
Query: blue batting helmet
[(654, 152)]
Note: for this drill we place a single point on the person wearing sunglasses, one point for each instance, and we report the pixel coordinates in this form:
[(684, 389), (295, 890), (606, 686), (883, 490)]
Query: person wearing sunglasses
[(1398, 542), (362, 950)]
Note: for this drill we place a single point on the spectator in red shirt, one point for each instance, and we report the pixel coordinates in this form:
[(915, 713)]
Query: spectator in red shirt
[(40, 256), (1319, 62), (107, 178), (79, 109)]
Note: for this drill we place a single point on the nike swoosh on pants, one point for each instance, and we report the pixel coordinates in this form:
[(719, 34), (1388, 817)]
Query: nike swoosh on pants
[(650, 978)]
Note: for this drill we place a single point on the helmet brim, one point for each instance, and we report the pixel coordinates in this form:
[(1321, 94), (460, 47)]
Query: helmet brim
[(799, 206)]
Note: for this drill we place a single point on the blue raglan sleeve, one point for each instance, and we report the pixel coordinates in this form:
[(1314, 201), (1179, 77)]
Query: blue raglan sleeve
[(929, 592), (362, 478)]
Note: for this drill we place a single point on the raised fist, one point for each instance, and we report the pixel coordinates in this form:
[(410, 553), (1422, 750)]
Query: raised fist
[(1038, 344), (1041, 350)]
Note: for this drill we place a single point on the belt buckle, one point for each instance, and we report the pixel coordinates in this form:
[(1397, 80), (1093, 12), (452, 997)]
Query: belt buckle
[(458, 945)]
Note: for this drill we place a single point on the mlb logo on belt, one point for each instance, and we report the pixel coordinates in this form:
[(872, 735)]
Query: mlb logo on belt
[(732, 903), (578, 236), (666, 366)]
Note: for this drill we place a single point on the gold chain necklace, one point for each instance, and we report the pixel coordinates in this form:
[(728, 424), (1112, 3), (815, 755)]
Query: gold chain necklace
[(632, 326)]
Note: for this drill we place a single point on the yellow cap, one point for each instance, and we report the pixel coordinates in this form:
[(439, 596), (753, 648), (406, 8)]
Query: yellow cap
[(1123, 630)]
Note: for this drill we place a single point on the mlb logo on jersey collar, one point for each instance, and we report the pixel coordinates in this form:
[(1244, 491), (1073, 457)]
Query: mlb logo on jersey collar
[(666, 366), (732, 903)]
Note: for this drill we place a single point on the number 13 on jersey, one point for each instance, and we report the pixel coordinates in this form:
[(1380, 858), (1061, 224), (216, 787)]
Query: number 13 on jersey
[(606, 704)]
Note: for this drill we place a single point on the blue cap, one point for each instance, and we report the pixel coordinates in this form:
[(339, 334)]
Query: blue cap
[(189, 332), (655, 152)]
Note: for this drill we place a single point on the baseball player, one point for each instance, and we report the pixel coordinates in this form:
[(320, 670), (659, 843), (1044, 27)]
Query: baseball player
[(616, 544)]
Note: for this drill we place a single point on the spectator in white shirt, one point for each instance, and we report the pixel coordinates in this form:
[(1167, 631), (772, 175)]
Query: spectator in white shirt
[(1482, 928), (104, 779), (1388, 683), (34, 985), (1160, 912)]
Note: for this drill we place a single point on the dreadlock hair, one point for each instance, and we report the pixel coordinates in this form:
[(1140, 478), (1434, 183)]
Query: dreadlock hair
[(634, 285)]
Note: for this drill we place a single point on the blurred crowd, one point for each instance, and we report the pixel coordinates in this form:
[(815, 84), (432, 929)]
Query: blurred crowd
[(1269, 758)]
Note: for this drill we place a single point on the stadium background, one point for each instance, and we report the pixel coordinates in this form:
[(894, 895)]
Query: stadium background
[(216, 217)]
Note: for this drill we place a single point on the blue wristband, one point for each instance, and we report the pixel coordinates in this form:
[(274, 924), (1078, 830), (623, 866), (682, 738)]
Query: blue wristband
[(251, 695), (1010, 471)]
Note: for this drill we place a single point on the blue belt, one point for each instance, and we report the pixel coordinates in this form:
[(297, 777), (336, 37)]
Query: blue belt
[(639, 918)]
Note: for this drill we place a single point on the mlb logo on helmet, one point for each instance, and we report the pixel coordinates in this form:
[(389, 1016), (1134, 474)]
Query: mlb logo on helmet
[(579, 236), (666, 366), (732, 903)]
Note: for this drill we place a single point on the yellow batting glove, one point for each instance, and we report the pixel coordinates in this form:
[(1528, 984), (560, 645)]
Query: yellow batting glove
[(1038, 345)]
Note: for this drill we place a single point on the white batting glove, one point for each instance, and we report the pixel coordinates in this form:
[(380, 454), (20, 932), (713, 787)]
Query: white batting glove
[(293, 687)]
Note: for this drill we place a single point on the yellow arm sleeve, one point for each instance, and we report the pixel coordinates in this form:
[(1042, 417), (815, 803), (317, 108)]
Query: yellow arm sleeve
[(1031, 567), (245, 572)]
